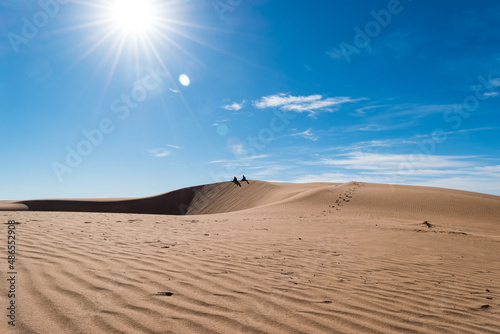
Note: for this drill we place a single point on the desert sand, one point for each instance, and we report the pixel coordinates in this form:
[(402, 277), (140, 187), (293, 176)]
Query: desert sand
[(263, 258)]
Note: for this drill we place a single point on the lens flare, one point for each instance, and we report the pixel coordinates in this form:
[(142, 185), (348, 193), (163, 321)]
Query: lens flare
[(184, 80)]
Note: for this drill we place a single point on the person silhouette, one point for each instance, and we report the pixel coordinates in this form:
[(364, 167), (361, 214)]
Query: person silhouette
[(244, 179), (235, 181)]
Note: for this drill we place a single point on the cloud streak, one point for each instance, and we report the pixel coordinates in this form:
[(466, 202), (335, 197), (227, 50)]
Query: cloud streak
[(162, 152), (311, 103), (393, 162), (159, 152), (306, 134)]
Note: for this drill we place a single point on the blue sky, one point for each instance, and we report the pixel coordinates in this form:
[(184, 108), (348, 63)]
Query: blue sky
[(98, 102)]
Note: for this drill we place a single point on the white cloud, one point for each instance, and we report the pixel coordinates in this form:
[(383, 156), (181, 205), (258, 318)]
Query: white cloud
[(491, 94), (262, 156), (162, 152), (311, 103), (234, 106), (488, 170), (306, 134), (282, 99), (159, 152), (393, 162)]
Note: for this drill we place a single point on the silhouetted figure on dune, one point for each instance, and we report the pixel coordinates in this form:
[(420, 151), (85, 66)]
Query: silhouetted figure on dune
[(244, 179), (235, 181)]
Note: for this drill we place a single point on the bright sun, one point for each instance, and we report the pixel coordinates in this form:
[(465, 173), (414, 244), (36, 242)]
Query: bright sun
[(133, 17), (140, 31)]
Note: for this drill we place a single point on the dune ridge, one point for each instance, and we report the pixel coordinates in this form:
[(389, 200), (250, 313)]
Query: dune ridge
[(222, 197), (203, 199)]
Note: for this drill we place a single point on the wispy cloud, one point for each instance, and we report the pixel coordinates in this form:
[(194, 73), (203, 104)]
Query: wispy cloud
[(306, 134), (416, 110), (393, 162), (489, 169), (495, 82), (414, 140), (376, 144), (447, 133), (264, 171), (375, 127), (281, 100), (253, 157), (234, 106), (159, 152), (219, 122), (396, 116), (364, 109), (162, 152), (311, 103)]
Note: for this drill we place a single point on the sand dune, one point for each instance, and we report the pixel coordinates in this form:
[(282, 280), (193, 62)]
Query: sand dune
[(211, 198), (263, 258), (392, 200), (12, 206)]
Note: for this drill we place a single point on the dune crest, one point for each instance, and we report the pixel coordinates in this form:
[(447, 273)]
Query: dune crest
[(357, 198)]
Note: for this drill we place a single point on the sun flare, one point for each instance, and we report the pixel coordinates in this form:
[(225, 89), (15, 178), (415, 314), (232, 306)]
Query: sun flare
[(139, 32), (133, 17)]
